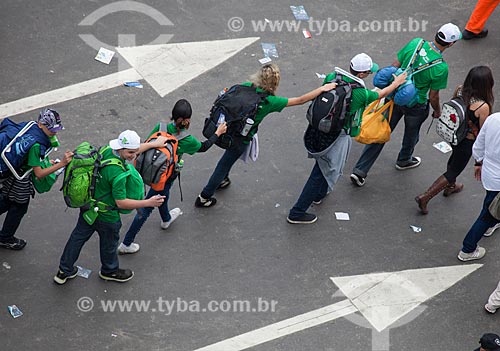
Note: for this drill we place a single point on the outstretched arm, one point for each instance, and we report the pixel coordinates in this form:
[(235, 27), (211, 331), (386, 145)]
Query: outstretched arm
[(398, 80), (159, 142), (207, 144), (43, 172), (129, 204), (310, 95)]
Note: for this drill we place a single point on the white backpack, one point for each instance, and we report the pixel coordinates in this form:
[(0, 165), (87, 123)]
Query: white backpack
[(452, 124)]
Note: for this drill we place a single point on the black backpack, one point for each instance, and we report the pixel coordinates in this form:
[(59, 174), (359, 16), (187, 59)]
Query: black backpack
[(233, 107), (327, 112)]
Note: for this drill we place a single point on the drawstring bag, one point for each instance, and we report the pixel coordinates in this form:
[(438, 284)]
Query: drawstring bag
[(375, 128), (134, 185)]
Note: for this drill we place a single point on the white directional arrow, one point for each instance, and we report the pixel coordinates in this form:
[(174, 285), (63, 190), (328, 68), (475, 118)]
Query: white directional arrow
[(166, 67), (382, 298)]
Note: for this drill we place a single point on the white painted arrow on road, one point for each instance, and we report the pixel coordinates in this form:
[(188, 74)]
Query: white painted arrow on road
[(382, 298), (165, 67)]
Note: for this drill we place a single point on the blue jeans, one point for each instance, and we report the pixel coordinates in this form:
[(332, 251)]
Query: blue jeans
[(414, 118), (315, 189), (222, 169), (482, 223), (15, 213), (109, 235), (143, 213)]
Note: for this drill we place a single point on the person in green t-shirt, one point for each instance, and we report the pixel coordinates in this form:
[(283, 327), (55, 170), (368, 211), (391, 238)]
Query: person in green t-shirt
[(111, 188), (428, 82), (267, 80), (331, 151), (16, 193), (181, 117)]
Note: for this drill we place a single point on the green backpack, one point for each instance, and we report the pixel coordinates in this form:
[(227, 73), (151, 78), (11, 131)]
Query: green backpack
[(80, 178)]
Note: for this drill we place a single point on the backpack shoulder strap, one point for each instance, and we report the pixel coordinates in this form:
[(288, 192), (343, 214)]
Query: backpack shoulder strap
[(110, 161), (183, 134), (121, 176), (163, 127), (415, 54), (341, 73), (427, 65)]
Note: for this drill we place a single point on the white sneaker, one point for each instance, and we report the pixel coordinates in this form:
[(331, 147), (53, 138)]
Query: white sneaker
[(174, 213), (124, 249), (489, 308), (490, 231), (477, 254)]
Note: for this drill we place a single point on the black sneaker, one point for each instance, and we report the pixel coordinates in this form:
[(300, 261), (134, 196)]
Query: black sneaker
[(13, 243), (61, 277), (202, 202), (306, 218), (121, 275), (224, 184), (414, 163), (357, 180), (467, 35)]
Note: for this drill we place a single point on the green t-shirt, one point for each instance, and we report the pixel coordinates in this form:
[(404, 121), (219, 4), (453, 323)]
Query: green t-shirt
[(270, 104), (106, 191), (34, 157), (435, 78), (188, 145)]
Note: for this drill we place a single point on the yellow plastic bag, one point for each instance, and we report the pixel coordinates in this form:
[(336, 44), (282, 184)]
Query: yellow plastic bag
[(375, 127)]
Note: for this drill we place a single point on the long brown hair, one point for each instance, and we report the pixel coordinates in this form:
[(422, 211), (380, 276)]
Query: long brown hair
[(479, 85)]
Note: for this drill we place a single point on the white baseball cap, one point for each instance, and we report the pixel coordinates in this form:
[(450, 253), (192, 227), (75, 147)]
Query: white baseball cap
[(362, 63), (127, 140), (449, 33)]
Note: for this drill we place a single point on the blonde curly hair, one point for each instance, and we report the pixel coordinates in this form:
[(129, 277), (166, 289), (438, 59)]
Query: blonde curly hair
[(267, 78)]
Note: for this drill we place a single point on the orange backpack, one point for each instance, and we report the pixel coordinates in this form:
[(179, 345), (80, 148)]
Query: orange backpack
[(156, 166)]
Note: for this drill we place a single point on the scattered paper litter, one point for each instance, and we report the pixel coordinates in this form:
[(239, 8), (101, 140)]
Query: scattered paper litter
[(299, 13), (321, 75), (268, 21), (342, 216), (415, 228), (307, 34), (265, 60), (84, 272), (277, 205), (104, 55), (6, 265), (442, 146), (15, 311), (134, 84), (270, 50), (114, 335)]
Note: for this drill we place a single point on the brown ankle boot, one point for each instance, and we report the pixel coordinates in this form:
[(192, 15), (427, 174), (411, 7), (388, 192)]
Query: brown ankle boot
[(453, 188), (434, 189)]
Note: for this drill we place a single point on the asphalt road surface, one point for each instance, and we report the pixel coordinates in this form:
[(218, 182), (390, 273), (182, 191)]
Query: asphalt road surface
[(242, 249)]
